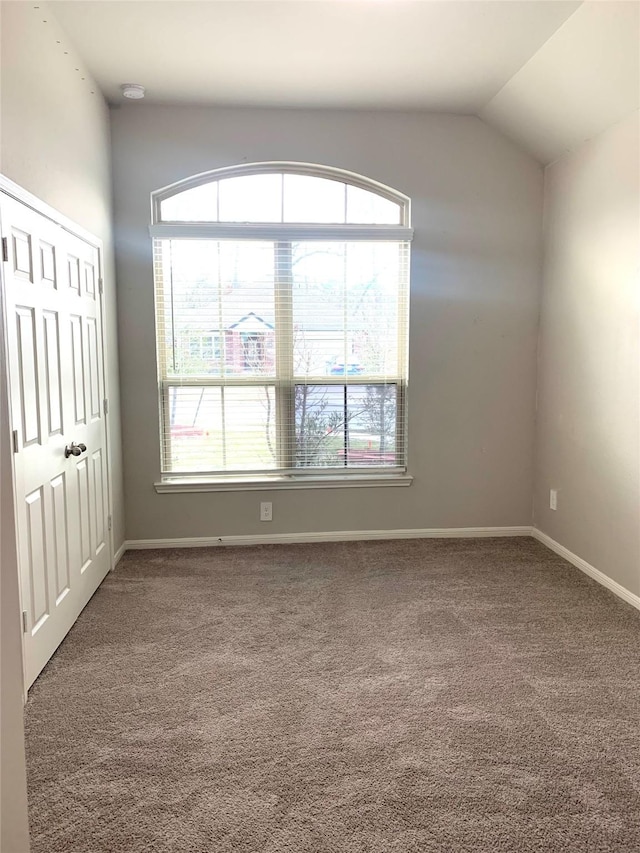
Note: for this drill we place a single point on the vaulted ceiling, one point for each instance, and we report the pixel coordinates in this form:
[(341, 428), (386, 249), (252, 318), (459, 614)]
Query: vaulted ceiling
[(584, 79), (549, 73)]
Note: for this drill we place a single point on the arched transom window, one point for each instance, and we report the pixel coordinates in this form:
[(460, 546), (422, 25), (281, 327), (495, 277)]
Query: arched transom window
[(282, 316)]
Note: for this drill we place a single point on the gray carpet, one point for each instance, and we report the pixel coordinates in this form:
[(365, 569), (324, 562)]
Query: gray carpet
[(433, 695)]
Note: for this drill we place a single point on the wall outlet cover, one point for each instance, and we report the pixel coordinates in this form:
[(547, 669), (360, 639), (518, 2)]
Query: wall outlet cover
[(266, 511)]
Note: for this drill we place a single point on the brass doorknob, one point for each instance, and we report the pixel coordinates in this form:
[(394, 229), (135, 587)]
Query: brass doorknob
[(74, 449)]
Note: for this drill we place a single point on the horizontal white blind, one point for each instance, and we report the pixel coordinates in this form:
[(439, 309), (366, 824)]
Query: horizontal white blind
[(282, 354)]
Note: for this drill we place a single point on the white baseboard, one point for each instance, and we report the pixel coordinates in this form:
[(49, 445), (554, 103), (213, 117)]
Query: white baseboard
[(329, 536), (410, 533), (587, 568), (119, 553)]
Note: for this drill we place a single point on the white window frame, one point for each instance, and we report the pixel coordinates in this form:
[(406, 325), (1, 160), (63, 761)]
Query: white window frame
[(285, 234)]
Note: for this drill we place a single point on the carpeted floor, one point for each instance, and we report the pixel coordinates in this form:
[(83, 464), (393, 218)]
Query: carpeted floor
[(405, 696)]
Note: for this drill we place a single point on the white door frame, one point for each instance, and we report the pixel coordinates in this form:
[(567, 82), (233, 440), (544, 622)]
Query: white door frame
[(15, 191)]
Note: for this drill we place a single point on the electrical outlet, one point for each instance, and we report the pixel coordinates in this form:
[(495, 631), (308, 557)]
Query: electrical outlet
[(266, 511), (553, 499)]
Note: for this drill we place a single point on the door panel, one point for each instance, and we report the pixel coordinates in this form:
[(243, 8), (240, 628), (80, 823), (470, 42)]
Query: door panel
[(52, 371), (93, 362), (57, 388), (84, 509), (73, 272), (78, 368), (22, 259), (29, 386), (60, 525), (98, 501), (48, 264), (37, 558), (90, 279)]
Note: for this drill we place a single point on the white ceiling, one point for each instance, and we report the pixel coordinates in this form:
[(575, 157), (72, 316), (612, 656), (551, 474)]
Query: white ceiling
[(548, 73), (582, 81), (385, 54)]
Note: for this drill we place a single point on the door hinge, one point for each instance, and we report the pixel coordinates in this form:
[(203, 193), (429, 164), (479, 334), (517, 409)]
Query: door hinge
[(100, 286), (16, 447), (25, 622), (105, 406), (5, 249), (109, 522)]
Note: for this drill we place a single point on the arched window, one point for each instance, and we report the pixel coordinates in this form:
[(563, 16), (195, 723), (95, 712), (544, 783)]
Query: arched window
[(282, 315)]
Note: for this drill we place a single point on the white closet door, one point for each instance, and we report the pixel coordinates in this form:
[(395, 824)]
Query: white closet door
[(54, 333)]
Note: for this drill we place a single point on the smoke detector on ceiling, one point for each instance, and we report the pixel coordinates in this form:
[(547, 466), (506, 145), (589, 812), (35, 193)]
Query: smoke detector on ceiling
[(134, 91)]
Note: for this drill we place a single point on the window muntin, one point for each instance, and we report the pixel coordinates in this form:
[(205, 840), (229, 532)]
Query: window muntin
[(297, 359)]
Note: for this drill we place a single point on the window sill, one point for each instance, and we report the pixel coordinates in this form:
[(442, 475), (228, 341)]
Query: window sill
[(175, 485)]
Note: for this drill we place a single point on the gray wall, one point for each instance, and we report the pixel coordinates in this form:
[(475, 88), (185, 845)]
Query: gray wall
[(588, 420), (476, 204)]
